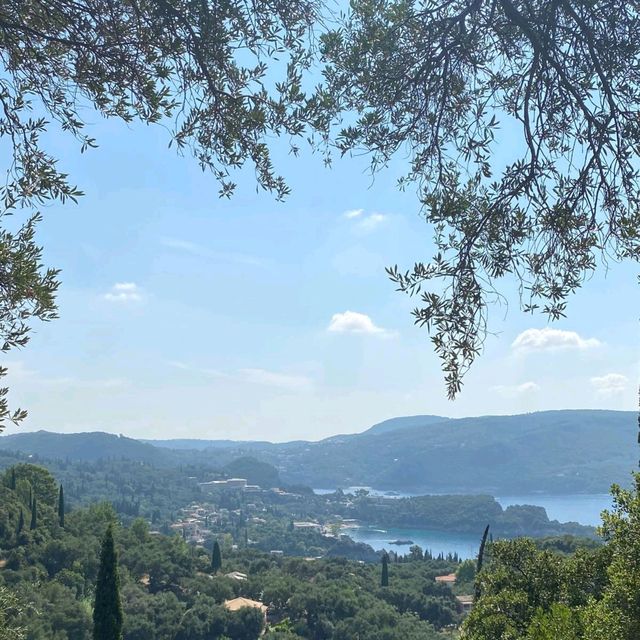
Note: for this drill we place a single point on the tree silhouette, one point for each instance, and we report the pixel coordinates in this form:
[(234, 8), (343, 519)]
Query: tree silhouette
[(34, 514), (20, 523), (107, 611), (481, 557), (61, 506), (216, 558), (384, 579)]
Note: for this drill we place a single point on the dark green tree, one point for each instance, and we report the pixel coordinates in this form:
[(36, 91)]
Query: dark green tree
[(34, 514), (12, 480), (384, 579), (61, 506), (483, 544), (216, 557), (107, 611), (20, 523)]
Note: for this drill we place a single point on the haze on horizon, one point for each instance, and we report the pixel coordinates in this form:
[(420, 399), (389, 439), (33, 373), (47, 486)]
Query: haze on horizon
[(186, 316)]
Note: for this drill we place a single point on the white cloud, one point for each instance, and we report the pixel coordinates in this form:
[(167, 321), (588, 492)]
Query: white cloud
[(548, 339), (124, 292), (610, 384), (511, 391), (275, 379), (353, 322), (372, 221), (365, 221)]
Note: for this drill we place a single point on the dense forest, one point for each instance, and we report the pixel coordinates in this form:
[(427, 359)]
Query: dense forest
[(159, 492), (561, 588), (170, 590)]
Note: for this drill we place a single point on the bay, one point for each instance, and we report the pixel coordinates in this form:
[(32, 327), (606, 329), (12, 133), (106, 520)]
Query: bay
[(465, 545), (582, 508)]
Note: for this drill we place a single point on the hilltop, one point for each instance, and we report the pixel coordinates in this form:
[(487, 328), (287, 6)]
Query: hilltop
[(88, 446)]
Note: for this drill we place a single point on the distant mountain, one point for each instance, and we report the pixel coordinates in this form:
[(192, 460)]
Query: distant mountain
[(88, 446), (560, 452), (182, 444), (546, 452), (408, 422)]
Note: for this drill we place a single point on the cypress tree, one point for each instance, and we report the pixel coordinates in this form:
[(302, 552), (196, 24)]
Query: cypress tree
[(12, 479), (480, 559), (61, 506), (20, 523), (384, 580), (107, 611), (34, 515), (30, 497), (216, 558)]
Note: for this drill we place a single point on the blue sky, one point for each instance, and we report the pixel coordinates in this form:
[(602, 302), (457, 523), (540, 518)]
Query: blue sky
[(183, 315)]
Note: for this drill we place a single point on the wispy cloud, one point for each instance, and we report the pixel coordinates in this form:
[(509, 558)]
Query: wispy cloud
[(353, 213), (354, 322), (18, 371), (123, 292), (610, 384), (262, 377), (275, 379), (201, 251), (179, 365), (548, 339), (86, 383), (512, 391)]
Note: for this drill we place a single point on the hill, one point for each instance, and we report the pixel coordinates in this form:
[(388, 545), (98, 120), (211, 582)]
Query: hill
[(553, 451), (88, 446), (193, 444), (255, 471), (561, 452), (407, 422)]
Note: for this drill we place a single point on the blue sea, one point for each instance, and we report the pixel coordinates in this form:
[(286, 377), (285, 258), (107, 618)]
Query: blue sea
[(584, 509)]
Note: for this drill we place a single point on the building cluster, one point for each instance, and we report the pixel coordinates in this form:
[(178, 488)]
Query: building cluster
[(196, 522)]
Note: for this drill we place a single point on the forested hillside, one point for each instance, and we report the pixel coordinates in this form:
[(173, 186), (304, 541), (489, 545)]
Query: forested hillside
[(554, 451), (547, 452), (171, 590)]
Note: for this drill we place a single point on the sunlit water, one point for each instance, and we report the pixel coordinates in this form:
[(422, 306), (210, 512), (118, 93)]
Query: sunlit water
[(466, 546), (584, 509)]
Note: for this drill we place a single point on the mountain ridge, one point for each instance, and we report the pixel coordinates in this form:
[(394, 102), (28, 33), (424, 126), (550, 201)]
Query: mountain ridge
[(562, 451)]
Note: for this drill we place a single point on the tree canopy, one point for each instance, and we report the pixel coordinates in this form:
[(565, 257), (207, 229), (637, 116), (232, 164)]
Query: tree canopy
[(448, 81), (553, 85), (224, 77)]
